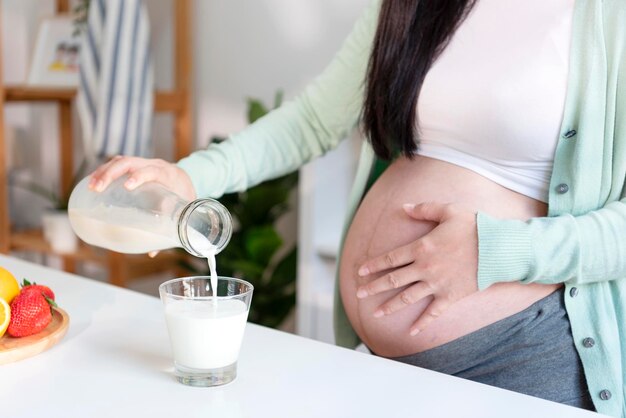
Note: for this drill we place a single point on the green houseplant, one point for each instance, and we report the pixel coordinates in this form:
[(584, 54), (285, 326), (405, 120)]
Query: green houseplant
[(256, 251)]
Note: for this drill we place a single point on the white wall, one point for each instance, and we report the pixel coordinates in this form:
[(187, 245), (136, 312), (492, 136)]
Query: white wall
[(250, 48)]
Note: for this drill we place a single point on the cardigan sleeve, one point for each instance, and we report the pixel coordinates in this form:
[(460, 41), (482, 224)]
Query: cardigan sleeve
[(300, 130), (562, 249)]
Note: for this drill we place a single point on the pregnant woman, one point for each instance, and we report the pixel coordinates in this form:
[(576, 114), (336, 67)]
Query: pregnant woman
[(492, 246)]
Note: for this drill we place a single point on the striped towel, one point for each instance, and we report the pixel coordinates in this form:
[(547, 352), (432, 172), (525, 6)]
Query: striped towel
[(115, 96)]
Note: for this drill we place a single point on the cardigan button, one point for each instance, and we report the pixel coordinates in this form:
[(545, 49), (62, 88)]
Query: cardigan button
[(589, 342), (562, 188), (573, 292), (605, 395), (570, 134)]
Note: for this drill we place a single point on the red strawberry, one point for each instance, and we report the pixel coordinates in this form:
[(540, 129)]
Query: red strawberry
[(30, 314), (28, 286)]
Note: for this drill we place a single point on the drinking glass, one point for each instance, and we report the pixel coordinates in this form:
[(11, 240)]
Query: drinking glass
[(206, 327)]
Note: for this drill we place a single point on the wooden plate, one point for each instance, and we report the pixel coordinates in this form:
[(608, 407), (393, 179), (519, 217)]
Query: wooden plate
[(14, 349)]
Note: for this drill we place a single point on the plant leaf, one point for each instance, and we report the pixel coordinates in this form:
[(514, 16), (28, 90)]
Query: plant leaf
[(217, 139), (256, 110), (261, 202), (285, 271), (278, 98), (248, 269), (272, 316), (262, 243)]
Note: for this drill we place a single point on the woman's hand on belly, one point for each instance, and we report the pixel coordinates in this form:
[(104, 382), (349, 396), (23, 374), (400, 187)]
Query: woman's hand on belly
[(442, 264)]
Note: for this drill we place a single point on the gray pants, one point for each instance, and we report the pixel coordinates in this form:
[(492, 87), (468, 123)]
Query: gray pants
[(531, 352)]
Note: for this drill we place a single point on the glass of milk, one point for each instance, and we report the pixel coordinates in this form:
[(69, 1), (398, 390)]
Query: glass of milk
[(206, 327)]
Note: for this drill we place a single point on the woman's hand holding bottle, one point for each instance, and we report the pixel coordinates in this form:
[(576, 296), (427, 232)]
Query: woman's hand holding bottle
[(140, 171)]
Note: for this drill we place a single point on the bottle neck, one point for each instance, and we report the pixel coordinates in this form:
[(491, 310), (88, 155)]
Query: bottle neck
[(204, 227)]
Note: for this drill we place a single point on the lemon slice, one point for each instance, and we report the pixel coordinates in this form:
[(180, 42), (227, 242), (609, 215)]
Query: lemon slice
[(9, 288), (5, 316)]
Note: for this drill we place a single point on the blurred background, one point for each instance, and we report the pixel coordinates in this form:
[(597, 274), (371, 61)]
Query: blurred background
[(241, 54)]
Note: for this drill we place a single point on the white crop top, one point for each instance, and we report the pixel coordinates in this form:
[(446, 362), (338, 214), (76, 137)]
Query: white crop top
[(493, 102)]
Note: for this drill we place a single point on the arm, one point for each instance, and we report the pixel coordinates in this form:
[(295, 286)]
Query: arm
[(573, 249), (299, 131)]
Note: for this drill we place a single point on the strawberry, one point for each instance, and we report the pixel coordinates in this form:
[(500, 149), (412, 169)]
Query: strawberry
[(30, 314), (45, 290)]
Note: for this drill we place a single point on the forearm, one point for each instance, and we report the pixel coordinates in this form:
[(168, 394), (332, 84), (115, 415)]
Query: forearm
[(564, 249), (273, 146)]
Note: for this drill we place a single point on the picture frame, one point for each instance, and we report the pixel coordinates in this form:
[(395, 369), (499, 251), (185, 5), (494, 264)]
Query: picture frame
[(56, 54)]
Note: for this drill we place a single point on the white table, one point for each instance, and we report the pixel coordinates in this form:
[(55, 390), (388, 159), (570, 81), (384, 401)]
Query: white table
[(115, 361)]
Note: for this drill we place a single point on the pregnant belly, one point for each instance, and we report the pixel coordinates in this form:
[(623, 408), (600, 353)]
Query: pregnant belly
[(381, 225)]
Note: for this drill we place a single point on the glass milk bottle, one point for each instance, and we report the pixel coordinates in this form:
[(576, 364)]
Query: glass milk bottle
[(148, 218)]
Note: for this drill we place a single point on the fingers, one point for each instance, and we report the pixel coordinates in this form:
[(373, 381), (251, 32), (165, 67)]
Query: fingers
[(117, 167), (95, 183), (141, 170), (143, 175), (443, 265), (429, 211), (432, 312), (392, 280), (403, 299), (396, 258), (411, 295), (164, 173)]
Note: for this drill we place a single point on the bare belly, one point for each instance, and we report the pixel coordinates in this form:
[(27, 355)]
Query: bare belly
[(380, 225)]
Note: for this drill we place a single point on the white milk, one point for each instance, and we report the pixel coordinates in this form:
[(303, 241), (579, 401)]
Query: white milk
[(204, 247), (204, 336), (131, 231), (139, 235), (213, 271)]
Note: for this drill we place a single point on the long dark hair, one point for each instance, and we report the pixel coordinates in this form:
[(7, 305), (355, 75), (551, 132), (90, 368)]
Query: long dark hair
[(411, 35)]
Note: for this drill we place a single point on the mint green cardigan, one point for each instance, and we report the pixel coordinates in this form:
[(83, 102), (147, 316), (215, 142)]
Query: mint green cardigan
[(582, 241)]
